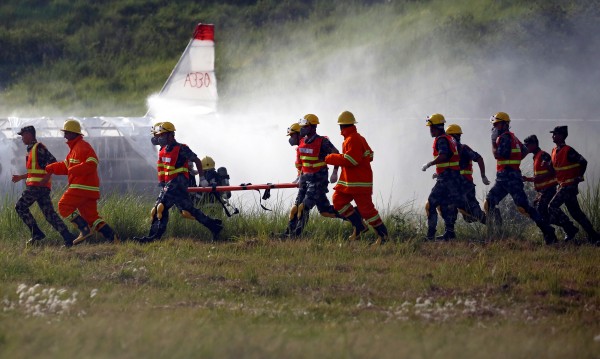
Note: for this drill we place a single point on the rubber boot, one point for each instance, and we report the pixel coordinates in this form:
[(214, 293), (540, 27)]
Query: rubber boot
[(84, 229), (36, 235), (358, 226), (68, 237), (109, 234), (156, 232), (215, 226), (570, 232), (304, 215), (549, 235), (430, 236), (448, 235), (382, 235)]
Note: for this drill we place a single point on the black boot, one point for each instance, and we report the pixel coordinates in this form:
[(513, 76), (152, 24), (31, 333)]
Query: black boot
[(215, 226), (68, 237), (109, 234), (570, 232), (156, 232), (358, 226), (84, 229), (549, 235), (382, 234), (430, 236), (448, 235), (36, 235)]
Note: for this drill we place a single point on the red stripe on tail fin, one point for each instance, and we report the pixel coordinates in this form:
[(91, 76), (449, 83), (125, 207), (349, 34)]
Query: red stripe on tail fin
[(205, 32)]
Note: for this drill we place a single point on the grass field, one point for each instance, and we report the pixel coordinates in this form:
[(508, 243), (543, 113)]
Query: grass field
[(321, 296)]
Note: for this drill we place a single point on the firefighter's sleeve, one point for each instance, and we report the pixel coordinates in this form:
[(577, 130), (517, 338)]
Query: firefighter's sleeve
[(352, 156), (57, 168), (90, 164)]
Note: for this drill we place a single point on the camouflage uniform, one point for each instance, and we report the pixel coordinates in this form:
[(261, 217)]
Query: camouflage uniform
[(469, 204), (313, 191), (445, 194), (175, 193), (41, 195), (568, 196), (510, 181)]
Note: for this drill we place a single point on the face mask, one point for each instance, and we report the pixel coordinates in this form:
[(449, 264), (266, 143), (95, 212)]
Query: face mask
[(162, 141), (496, 132), (293, 140), (304, 131), (154, 141)]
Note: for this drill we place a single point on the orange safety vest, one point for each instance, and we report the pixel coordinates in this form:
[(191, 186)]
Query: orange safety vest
[(453, 162), (539, 168), (34, 172), (566, 171), (160, 168), (467, 170), (514, 161), (169, 160), (308, 153)]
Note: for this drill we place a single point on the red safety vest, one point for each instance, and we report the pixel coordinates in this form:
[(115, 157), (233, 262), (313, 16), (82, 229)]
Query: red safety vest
[(34, 172), (160, 167), (539, 168), (308, 154), (467, 171), (566, 171), (168, 160), (514, 161), (453, 162)]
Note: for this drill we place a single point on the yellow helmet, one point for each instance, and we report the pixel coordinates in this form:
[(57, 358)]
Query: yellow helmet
[(435, 119), (72, 125), (309, 119), (454, 129), (346, 118), (155, 127), (164, 127), (500, 117), (208, 163), (294, 128)]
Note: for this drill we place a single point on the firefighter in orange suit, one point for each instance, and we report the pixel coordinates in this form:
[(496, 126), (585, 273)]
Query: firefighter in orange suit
[(79, 203), (356, 180), (570, 167)]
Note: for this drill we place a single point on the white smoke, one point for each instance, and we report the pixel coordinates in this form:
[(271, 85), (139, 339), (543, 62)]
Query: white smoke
[(391, 73)]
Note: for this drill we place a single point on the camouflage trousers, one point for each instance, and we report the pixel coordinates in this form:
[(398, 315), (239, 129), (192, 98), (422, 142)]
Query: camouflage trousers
[(313, 192), (511, 183), (175, 194), (469, 206), (568, 196), (41, 195), (447, 195), (542, 201)]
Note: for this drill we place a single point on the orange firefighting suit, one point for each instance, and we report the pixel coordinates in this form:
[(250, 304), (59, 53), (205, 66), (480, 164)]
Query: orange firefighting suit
[(356, 179), (83, 191)]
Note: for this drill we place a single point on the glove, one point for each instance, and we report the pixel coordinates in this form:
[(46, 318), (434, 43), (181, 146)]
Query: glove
[(296, 180), (435, 175), (203, 182), (485, 180), (426, 166), (333, 178)]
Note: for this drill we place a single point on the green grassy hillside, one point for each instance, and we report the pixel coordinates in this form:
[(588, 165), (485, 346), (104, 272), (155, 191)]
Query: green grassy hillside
[(107, 57)]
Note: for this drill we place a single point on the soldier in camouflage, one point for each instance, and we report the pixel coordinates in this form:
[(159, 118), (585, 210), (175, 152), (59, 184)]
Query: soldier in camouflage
[(313, 180), (173, 173), (37, 158), (509, 152), (447, 191), (470, 208), (569, 167)]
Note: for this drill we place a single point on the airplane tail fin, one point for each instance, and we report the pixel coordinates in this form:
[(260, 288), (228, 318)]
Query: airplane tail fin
[(192, 83)]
